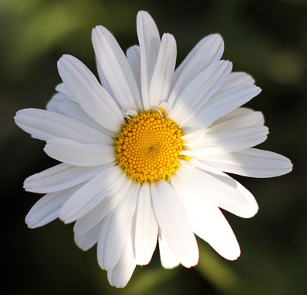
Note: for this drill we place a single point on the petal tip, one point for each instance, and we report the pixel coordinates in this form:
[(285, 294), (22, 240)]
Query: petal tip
[(234, 257), (143, 13)]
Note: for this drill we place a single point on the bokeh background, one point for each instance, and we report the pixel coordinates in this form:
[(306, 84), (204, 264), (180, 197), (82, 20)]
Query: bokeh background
[(266, 38)]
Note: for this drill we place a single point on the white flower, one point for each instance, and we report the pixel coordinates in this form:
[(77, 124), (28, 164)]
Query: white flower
[(144, 153)]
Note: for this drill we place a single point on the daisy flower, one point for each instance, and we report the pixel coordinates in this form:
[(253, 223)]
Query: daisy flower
[(144, 152)]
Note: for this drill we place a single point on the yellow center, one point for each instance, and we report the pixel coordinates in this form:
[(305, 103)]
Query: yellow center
[(148, 147)]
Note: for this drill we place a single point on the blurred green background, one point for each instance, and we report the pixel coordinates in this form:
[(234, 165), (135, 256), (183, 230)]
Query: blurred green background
[(266, 38)]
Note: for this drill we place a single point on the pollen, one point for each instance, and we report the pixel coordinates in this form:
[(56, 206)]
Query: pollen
[(148, 147)]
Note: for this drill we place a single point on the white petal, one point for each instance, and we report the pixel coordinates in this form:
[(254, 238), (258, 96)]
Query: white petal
[(192, 138), (53, 103), (106, 205), (74, 153), (146, 227), (209, 50), (47, 208), (120, 275), (45, 125), (196, 94), (91, 96), (120, 227), (174, 224), (207, 221), (102, 239), (218, 234), (252, 206), (73, 110), (229, 141), (59, 177), (238, 118), (215, 191), (88, 239), (168, 259), (61, 88), (104, 82), (251, 162), (116, 69), (149, 40), (222, 103), (88, 221), (134, 59), (248, 120), (165, 106), (92, 193), (236, 79), (233, 115), (163, 73)]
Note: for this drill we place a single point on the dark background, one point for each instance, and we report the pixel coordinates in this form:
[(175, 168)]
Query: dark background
[(266, 38)]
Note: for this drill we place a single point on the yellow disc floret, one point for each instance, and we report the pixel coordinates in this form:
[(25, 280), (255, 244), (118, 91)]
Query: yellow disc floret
[(148, 147)]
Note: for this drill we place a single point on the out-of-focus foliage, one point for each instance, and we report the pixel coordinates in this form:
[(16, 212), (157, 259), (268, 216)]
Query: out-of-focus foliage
[(267, 38)]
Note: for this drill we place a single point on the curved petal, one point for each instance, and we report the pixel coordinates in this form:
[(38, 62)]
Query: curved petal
[(120, 227), (89, 220), (106, 205), (252, 206), (104, 82), (174, 224), (247, 120), (92, 193), (91, 96), (54, 102), (116, 69), (209, 50), (60, 177), (146, 227), (73, 110), (229, 141), (217, 191), (45, 125), (79, 154), (221, 104), (149, 40), (167, 257), (239, 118), (120, 275), (134, 60), (251, 163), (236, 79), (47, 208), (102, 239), (194, 97), (233, 115), (162, 76), (88, 239), (62, 89), (207, 221)]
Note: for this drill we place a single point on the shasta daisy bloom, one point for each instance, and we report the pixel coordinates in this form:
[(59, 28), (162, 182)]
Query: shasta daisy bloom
[(144, 151)]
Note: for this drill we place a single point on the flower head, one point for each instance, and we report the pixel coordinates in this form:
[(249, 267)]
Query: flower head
[(144, 151)]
